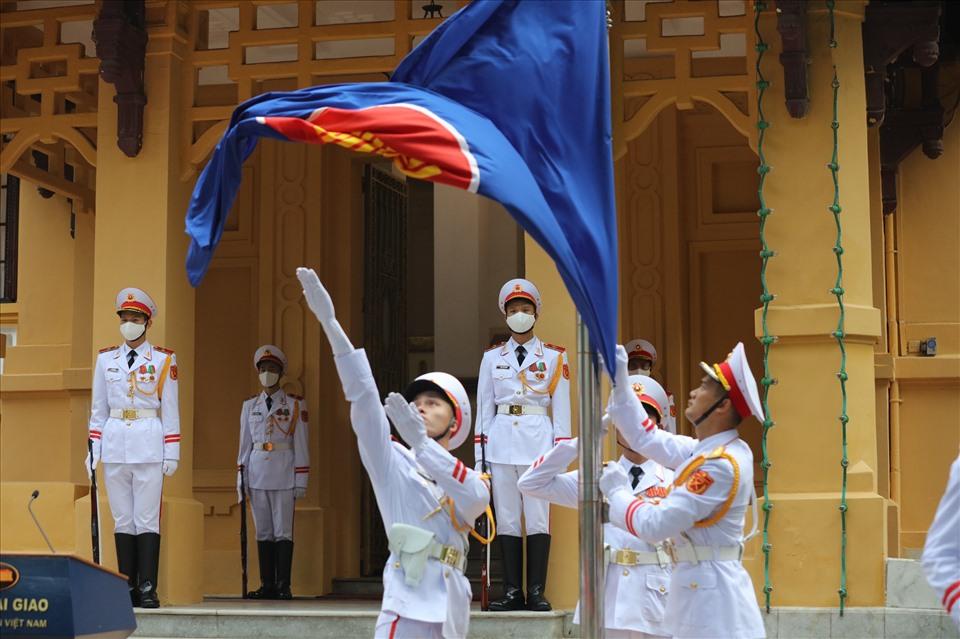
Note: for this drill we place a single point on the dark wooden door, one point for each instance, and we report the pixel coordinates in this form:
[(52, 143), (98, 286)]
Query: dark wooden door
[(384, 322)]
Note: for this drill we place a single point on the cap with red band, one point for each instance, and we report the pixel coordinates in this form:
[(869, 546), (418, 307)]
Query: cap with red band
[(134, 299), (270, 353), (641, 348), (519, 289), (455, 393), (737, 379)]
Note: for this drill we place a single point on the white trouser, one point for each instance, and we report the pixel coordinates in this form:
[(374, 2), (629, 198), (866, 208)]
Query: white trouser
[(510, 504), (272, 513), (610, 633), (390, 625), (134, 492)]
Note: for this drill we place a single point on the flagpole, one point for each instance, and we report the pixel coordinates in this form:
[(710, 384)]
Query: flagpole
[(591, 525)]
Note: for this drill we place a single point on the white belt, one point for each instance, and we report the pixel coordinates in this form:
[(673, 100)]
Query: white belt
[(271, 446), (696, 554), (628, 557), (448, 555), (129, 414), (518, 409)]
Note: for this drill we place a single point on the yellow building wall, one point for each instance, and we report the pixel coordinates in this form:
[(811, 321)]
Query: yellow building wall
[(928, 260)]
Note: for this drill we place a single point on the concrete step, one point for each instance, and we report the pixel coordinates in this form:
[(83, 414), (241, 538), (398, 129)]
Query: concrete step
[(322, 619), (907, 586), (342, 619)]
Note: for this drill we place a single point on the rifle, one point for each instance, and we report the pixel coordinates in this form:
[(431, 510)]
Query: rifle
[(243, 533), (484, 529), (94, 507)]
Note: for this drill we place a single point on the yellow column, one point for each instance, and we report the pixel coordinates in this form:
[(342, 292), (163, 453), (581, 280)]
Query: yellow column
[(140, 242), (805, 444)]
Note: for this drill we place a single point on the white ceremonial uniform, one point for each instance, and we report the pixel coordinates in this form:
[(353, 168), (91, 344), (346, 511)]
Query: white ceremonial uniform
[(274, 452), (711, 594), (941, 553), (634, 595), (410, 488), (135, 421), (522, 411)]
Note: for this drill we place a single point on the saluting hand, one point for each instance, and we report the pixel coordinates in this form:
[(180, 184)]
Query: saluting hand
[(407, 419), (613, 479), (318, 299)]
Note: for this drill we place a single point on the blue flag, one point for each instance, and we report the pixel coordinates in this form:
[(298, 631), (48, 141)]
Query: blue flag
[(507, 99)]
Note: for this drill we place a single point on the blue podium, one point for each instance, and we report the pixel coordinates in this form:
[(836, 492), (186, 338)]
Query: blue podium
[(62, 596)]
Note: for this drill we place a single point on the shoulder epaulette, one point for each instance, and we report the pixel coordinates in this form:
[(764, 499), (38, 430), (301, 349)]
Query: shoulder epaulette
[(717, 452), (494, 347), (108, 349), (163, 350), (252, 397), (555, 347)]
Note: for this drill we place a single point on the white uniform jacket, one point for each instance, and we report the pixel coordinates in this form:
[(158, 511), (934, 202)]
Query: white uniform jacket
[(634, 596), (543, 382), (150, 384), (274, 443), (706, 507), (941, 553), (409, 488)]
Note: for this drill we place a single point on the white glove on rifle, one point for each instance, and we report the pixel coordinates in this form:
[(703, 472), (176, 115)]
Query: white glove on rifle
[(239, 487), (407, 419), (169, 467), (91, 466)]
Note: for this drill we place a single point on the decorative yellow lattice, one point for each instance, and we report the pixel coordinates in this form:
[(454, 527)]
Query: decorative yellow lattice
[(680, 52)]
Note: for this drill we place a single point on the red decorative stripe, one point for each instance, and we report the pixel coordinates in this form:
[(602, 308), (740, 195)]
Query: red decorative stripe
[(632, 508), (736, 395), (168, 439), (456, 469), (463, 475), (557, 440), (301, 471), (521, 294), (649, 425), (133, 305), (955, 586), (393, 628), (538, 461), (94, 435), (302, 468)]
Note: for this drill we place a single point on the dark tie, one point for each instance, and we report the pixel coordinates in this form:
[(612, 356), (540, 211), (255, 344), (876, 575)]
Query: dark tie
[(269, 402), (521, 353), (637, 472), (132, 355)]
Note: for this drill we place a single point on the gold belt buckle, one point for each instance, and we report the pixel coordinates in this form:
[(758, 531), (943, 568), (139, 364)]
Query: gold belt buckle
[(450, 556), (626, 557), (670, 548), (516, 409), (129, 413), (268, 446)]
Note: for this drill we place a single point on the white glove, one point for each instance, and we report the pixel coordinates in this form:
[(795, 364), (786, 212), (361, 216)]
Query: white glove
[(624, 406), (91, 466), (407, 419), (605, 425), (317, 297), (613, 479), (239, 487), (169, 467), (299, 492)]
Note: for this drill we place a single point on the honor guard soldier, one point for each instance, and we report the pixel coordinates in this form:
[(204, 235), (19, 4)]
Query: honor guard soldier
[(941, 553), (275, 457), (523, 409), (641, 358), (135, 431), (427, 497), (638, 573), (711, 593)]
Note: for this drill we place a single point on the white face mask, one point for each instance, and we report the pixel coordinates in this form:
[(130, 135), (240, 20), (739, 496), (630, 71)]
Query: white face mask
[(640, 371), (132, 331), (269, 379), (521, 322)]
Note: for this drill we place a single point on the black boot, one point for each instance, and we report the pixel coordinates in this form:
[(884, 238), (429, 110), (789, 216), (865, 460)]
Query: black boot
[(284, 567), (127, 563), (538, 555), (267, 555), (512, 548), (148, 564)]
